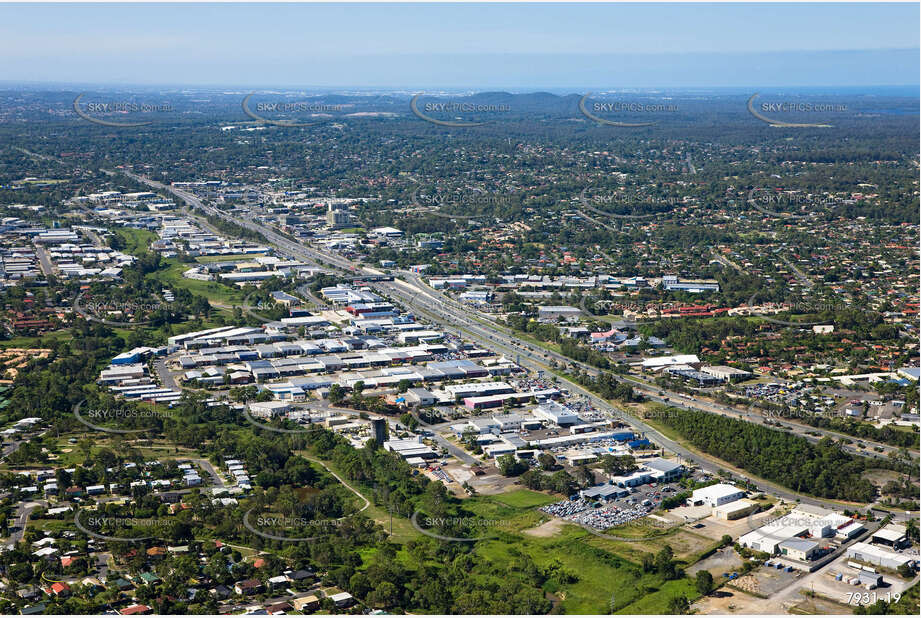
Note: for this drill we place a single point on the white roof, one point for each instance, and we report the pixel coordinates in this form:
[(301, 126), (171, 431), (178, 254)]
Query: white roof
[(664, 361), (892, 532), (713, 492)]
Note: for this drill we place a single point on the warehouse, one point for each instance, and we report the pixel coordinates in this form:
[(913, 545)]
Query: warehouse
[(556, 413), (409, 448), (269, 409), (558, 312), (663, 470), (803, 550), (893, 535), (734, 510), (603, 493), (850, 531), (727, 374), (880, 556), (716, 495), (478, 389)]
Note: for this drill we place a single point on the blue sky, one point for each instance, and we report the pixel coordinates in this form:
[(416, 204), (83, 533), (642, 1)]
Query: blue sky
[(515, 46)]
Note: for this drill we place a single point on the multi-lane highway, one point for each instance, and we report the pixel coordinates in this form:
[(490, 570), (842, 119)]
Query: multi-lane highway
[(439, 308)]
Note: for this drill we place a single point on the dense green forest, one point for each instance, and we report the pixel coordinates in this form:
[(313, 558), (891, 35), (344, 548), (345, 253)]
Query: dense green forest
[(821, 469)]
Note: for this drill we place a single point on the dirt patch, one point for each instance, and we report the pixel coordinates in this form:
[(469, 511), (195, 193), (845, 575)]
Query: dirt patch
[(880, 477), (546, 529), (725, 560), (725, 601), (491, 484)]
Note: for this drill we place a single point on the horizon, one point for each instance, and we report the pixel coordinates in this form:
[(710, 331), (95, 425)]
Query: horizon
[(485, 47)]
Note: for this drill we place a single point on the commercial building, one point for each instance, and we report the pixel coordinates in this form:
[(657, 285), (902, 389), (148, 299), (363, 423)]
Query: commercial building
[(734, 510), (893, 535), (716, 495), (726, 374), (269, 409), (660, 362), (803, 550), (558, 312), (603, 493), (664, 470), (880, 556), (556, 413)]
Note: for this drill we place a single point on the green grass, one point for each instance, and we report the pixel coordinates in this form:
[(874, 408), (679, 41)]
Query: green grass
[(524, 498), (136, 241), (53, 337), (171, 276), (657, 602)]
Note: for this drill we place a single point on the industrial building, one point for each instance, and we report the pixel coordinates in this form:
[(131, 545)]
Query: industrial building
[(879, 556), (893, 535), (716, 495)]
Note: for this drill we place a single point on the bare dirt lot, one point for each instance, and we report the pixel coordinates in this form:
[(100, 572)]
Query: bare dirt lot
[(546, 529), (726, 601), (725, 560), (767, 581)]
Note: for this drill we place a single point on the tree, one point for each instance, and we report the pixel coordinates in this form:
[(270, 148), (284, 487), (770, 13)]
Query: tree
[(704, 582), (678, 605), (509, 466), (547, 461)]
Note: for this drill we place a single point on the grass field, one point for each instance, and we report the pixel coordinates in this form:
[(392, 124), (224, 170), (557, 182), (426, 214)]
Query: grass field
[(604, 568), (524, 498), (51, 339), (136, 241), (171, 276)]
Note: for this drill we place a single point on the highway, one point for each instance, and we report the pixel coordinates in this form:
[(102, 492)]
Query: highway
[(443, 310)]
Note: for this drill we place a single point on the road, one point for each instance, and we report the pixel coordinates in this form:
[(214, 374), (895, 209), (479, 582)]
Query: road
[(443, 310), (23, 511), (44, 261), (805, 281), (166, 378)]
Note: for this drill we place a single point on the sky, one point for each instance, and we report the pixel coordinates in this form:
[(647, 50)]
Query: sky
[(478, 46)]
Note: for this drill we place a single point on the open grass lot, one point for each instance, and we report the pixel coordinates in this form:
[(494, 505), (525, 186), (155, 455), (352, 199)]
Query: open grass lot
[(136, 241), (171, 276), (655, 600), (686, 545), (47, 340), (601, 576), (524, 498), (603, 568)]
